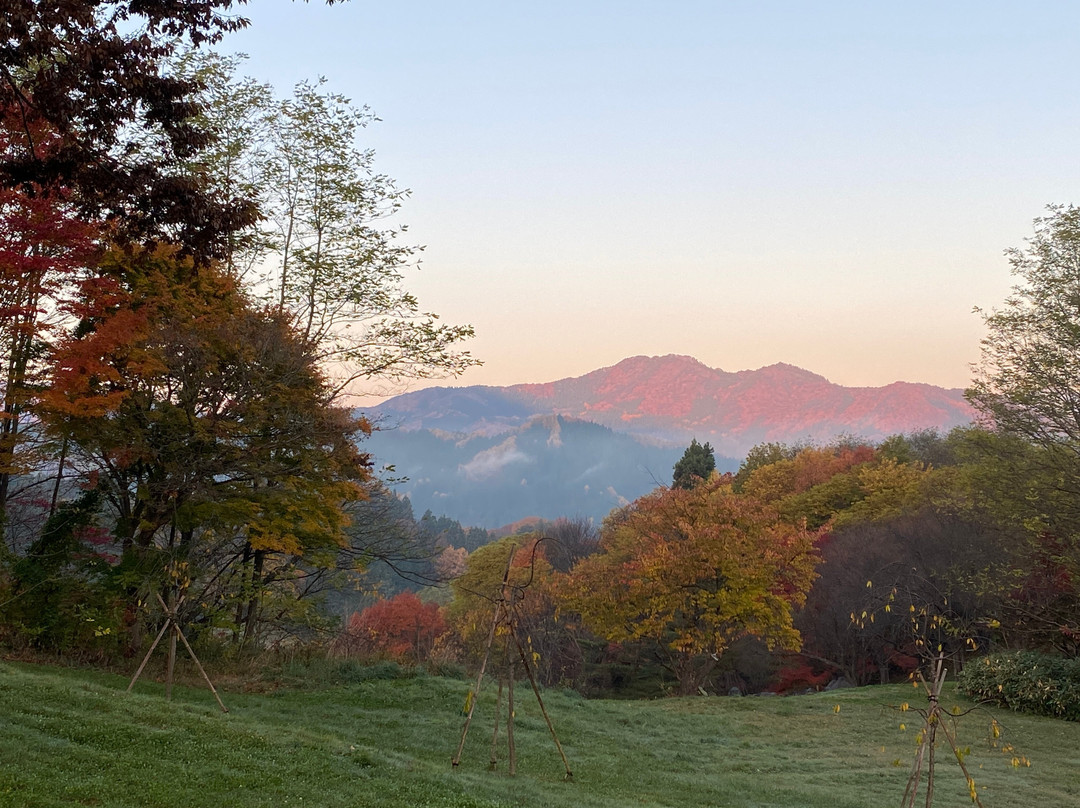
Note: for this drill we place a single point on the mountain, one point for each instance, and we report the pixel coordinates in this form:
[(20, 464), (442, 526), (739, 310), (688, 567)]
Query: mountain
[(548, 467), (670, 399), (487, 456)]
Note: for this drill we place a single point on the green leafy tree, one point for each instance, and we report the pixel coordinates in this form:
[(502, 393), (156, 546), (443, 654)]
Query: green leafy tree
[(1028, 379), (697, 464), (236, 114), (763, 454), (54, 598), (478, 589), (1027, 388), (327, 254)]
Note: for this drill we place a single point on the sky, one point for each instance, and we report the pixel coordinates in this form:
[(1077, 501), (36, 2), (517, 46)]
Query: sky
[(831, 185)]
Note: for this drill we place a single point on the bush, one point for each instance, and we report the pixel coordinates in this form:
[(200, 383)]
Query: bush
[(1026, 681)]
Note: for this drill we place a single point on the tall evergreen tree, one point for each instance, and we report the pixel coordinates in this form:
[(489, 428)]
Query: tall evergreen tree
[(696, 464)]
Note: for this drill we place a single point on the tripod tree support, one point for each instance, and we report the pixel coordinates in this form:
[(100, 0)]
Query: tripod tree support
[(504, 616), (475, 692), (934, 719), (172, 625)]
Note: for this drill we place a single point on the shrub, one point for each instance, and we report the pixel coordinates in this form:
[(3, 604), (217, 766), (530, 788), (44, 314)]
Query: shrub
[(799, 675), (402, 629), (1026, 681)]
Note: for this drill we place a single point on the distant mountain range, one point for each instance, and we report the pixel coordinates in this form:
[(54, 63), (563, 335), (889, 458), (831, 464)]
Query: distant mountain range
[(581, 446)]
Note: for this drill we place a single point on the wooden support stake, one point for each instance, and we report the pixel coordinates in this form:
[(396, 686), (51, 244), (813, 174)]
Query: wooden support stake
[(504, 615), (495, 734), (146, 658), (933, 718), (540, 701), (198, 665), (170, 666), (510, 715), (456, 759), (173, 625)]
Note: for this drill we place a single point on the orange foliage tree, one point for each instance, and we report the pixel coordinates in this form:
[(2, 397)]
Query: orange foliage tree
[(207, 426), (694, 570), (403, 628)]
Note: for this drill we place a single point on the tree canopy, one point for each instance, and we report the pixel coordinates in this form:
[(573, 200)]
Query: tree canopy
[(695, 570), (90, 73), (1027, 388), (1028, 380), (198, 400), (696, 464)]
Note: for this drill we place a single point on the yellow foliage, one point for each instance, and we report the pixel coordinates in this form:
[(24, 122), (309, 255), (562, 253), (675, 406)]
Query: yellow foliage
[(695, 570)]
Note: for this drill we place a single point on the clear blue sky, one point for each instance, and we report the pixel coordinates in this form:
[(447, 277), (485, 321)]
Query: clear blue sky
[(825, 184)]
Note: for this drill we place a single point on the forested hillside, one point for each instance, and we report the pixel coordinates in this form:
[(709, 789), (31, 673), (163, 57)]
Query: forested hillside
[(551, 466), (580, 447)]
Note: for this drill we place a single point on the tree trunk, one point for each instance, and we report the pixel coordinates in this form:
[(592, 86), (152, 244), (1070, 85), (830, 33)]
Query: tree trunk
[(251, 620), (245, 576)]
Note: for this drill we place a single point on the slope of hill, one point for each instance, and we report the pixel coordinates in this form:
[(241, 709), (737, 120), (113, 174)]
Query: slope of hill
[(75, 738), (550, 466), (490, 455)]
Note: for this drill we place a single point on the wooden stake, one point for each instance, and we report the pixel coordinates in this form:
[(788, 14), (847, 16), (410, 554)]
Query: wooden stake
[(510, 715), (540, 701), (456, 759), (146, 658), (171, 664), (933, 718), (504, 615), (198, 665), (495, 734), (173, 625)]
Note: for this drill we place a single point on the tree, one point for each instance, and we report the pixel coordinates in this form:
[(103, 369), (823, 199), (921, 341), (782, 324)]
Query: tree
[(695, 570), (403, 628), (236, 114), (555, 655), (696, 464), (926, 446), (575, 539), (763, 454), (207, 427), (1018, 487), (814, 484), (43, 248), (479, 587), (327, 256), (929, 562), (1027, 389), (41, 251), (91, 73), (1028, 380)]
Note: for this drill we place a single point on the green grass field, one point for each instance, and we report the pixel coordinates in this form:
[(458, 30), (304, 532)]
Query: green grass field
[(70, 737)]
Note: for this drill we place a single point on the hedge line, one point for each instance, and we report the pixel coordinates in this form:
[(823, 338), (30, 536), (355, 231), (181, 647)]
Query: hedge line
[(1026, 681)]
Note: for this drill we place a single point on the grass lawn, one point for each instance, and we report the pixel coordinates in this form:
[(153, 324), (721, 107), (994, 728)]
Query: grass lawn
[(71, 737)]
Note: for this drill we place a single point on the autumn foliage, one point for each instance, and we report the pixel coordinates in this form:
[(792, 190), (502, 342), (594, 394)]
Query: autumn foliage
[(44, 251), (402, 628), (694, 571)]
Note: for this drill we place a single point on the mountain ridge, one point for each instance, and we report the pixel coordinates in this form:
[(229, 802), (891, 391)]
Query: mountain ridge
[(672, 398), (550, 466), (489, 456)]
